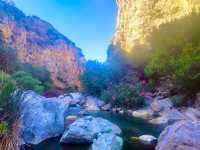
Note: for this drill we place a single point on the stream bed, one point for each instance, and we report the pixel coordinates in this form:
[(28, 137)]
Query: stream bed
[(131, 127)]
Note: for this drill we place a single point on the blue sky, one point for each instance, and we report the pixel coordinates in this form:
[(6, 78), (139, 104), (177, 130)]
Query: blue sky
[(88, 23)]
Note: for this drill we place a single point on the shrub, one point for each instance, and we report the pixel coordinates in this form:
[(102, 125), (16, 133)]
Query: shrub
[(98, 76), (124, 95), (95, 78), (177, 52), (3, 128), (7, 86), (8, 111), (39, 73), (114, 83), (106, 96), (26, 82)]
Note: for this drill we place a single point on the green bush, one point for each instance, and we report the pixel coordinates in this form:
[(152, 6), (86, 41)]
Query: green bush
[(114, 83), (39, 73), (3, 128), (176, 52), (7, 86), (26, 82), (95, 78), (8, 102), (124, 95)]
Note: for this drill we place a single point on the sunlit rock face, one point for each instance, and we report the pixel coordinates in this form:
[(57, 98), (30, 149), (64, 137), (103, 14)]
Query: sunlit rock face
[(38, 43), (137, 18)]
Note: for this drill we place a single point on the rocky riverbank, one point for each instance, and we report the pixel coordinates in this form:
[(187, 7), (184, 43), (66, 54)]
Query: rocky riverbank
[(43, 118), (181, 126)]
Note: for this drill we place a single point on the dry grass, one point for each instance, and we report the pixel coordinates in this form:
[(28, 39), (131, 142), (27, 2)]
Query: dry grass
[(10, 141)]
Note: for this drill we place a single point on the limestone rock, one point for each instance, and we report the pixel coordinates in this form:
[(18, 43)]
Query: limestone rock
[(40, 44), (41, 118), (92, 103), (143, 113), (192, 114), (147, 139), (87, 129), (183, 135), (137, 19)]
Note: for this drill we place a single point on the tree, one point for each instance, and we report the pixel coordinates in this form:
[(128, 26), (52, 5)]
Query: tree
[(25, 81), (176, 52)]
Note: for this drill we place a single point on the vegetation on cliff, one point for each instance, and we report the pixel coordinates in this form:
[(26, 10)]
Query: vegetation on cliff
[(176, 53), (173, 56), (38, 43), (112, 83)]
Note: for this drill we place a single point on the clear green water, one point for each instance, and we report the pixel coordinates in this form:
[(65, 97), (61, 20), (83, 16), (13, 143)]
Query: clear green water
[(130, 127)]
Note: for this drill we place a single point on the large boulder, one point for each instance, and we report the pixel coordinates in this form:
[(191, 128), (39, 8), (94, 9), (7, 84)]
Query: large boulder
[(87, 129), (107, 141), (183, 135), (41, 117)]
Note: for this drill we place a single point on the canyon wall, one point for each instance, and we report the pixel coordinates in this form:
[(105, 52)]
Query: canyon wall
[(137, 18), (38, 43)]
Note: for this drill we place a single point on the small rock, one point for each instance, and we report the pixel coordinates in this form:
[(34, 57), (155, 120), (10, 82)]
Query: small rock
[(143, 113), (121, 112), (106, 107), (162, 121), (148, 139), (114, 110)]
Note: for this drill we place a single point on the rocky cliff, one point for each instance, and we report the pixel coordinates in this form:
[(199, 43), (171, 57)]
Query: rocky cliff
[(38, 43), (137, 18)]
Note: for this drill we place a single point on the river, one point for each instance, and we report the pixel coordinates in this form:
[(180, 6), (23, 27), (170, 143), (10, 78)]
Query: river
[(131, 127)]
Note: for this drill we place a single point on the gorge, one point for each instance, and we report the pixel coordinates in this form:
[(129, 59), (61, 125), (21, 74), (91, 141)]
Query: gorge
[(115, 105)]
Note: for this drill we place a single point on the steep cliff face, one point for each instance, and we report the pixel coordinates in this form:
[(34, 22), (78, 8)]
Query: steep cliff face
[(137, 18), (38, 43)]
